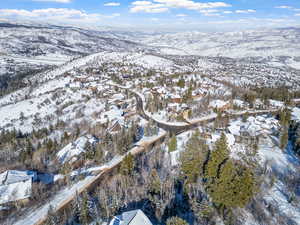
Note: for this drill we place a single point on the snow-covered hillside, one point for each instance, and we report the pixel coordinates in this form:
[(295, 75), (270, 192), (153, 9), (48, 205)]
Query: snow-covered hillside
[(90, 97), (256, 43), (32, 46)]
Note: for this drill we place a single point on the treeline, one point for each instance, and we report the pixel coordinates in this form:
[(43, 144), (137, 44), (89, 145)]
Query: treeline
[(13, 82), (283, 94), (32, 150)]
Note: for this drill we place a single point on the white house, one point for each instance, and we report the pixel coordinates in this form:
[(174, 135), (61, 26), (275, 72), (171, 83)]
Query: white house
[(219, 104), (15, 185), (134, 217), (71, 151)]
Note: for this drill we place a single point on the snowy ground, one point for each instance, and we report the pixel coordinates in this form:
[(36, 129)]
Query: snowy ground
[(284, 163)]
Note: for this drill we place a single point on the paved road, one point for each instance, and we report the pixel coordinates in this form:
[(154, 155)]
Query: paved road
[(182, 127), (64, 197)]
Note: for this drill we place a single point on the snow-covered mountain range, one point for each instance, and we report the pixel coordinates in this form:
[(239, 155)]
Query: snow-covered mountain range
[(80, 87), (271, 42), (29, 47)]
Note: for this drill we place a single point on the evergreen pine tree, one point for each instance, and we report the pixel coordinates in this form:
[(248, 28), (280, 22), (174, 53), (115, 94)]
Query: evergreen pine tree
[(84, 209), (90, 151), (234, 187), (181, 83), (65, 136), (172, 146), (193, 158), (217, 157), (176, 221), (77, 132), (127, 165), (99, 153), (155, 183)]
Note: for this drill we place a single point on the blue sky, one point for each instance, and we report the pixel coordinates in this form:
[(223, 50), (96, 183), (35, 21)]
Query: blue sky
[(157, 14)]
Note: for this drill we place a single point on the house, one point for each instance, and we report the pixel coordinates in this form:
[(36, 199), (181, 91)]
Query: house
[(219, 105), (175, 98), (73, 150), (16, 185), (197, 94), (134, 217), (76, 84), (93, 89), (173, 107), (186, 111), (254, 129), (240, 104)]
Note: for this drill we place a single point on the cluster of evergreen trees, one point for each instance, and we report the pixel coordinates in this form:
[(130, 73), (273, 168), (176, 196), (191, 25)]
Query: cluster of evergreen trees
[(282, 93), (12, 82), (229, 183)]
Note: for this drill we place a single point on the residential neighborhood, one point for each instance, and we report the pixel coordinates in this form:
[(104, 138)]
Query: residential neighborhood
[(157, 112)]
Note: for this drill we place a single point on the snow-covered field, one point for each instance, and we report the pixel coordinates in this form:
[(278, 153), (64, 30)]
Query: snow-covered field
[(255, 43)]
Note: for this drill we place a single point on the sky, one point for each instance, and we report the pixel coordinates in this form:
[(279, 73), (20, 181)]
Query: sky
[(156, 15)]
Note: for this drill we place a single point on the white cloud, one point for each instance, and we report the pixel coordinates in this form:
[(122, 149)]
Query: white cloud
[(112, 4), (72, 16), (209, 11), (148, 7), (115, 15), (60, 1), (284, 7), (227, 12), (245, 11), (288, 7), (165, 5), (188, 4), (142, 3), (298, 14), (181, 15)]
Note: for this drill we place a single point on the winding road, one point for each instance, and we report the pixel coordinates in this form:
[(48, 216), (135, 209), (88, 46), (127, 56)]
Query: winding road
[(38, 216), (179, 128)]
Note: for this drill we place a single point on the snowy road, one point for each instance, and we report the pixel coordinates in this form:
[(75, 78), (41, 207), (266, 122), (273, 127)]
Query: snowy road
[(178, 128), (65, 196)]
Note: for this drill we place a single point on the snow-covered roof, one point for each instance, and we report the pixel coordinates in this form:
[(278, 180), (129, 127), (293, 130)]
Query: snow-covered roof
[(239, 103), (113, 114), (217, 103), (296, 114), (15, 191), (254, 126), (117, 97), (234, 128), (15, 176), (70, 151), (276, 103), (134, 217), (15, 185)]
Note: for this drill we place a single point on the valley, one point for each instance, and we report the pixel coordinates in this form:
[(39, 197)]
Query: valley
[(203, 126)]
